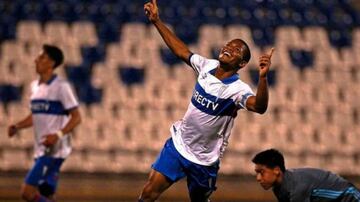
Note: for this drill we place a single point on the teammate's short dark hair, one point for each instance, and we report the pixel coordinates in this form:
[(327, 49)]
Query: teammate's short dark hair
[(271, 158), (54, 53), (246, 51)]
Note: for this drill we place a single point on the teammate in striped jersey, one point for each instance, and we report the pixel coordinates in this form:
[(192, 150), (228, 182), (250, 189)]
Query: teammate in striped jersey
[(301, 184), (199, 139), (54, 114)]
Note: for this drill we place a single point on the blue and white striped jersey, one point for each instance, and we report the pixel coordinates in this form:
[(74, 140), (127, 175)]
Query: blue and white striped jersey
[(50, 105), (201, 136)]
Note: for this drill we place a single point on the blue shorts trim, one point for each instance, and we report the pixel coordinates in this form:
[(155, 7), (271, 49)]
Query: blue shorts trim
[(45, 171), (175, 167)]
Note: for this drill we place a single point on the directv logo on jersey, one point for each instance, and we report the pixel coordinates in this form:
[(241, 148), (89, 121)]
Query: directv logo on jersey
[(211, 104), (204, 101), (40, 106), (48, 107)]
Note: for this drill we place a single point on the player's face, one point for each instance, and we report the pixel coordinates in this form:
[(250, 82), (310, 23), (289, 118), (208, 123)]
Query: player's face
[(266, 177), (232, 54), (43, 63)]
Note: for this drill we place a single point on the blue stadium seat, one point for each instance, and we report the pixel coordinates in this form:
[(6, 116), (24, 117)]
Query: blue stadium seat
[(93, 54), (301, 58), (7, 27), (254, 75), (340, 38), (79, 75), (263, 36), (10, 93), (131, 75), (312, 16), (62, 11), (168, 57), (88, 94), (34, 10), (187, 30), (108, 31)]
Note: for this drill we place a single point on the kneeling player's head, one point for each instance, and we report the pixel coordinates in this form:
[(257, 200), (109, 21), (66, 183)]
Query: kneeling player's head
[(235, 54), (269, 167)]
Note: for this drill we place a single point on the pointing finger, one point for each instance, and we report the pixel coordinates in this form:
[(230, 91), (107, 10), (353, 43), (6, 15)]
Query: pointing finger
[(272, 51), (154, 2)]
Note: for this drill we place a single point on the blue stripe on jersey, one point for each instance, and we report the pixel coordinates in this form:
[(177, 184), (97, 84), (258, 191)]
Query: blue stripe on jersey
[(244, 98), (212, 105), (325, 193), (48, 107)]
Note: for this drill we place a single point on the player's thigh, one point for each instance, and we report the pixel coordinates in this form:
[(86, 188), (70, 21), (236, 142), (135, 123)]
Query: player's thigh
[(157, 182), (49, 185), (37, 173), (201, 181)]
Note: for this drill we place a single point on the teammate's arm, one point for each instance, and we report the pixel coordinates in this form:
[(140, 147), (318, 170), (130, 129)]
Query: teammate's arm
[(75, 120), (172, 41), (259, 103), (25, 123)]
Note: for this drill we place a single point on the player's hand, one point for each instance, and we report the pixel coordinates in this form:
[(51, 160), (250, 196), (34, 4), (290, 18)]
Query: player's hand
[(265, 62), (50, 140), (151, 11), (12, 130)]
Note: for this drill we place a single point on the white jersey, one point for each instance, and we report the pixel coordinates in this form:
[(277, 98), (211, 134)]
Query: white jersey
[(202, 135), (50, 105)]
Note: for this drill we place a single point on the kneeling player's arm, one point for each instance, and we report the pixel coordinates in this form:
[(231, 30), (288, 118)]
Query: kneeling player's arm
[(259, 103), (75, 120)]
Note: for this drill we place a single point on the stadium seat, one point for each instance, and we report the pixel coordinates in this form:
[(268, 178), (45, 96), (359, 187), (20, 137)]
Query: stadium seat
[(57, 32), (75, 162), (29, 31), (85, 33), (15, 159), (100, 161)]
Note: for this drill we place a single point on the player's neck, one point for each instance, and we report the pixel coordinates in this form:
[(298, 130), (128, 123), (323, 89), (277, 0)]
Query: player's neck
[(221, 74), (45, 77)]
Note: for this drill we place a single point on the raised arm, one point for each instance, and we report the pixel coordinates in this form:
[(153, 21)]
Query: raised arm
[(172, 41), (259, 103)]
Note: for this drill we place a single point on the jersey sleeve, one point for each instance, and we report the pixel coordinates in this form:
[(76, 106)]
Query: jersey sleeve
[(67, 97), (243, 95), (198, 62)]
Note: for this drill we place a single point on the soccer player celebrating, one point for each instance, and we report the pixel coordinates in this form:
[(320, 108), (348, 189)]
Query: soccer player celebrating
[(200, 138), (54, 114), (302, 184)]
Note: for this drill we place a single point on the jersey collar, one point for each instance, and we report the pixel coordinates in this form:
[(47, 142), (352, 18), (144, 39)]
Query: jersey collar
[(228, 80), (53, 77)]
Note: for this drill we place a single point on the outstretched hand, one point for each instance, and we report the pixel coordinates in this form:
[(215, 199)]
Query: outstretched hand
[(265, 62), (151, 11)]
